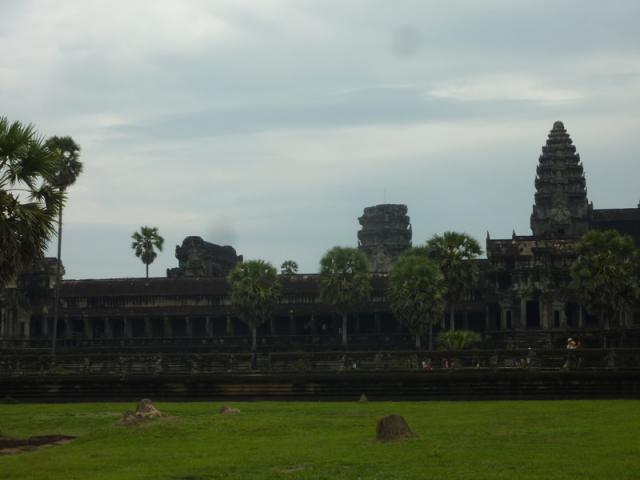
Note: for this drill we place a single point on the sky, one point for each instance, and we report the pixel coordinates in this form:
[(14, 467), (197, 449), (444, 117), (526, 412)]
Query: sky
[(270, 125)]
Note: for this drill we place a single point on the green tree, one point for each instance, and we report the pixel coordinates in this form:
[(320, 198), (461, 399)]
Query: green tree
[(255, 291), (458, 340), (145, 243), (605, 274), (344, 282), (29, 202), (67, 170), (456, 255), (416, 293), (288, 267)]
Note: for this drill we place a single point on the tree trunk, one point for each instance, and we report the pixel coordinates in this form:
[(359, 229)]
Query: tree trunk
[(56, 295), (253, 338), (430, 336), (344, 329), (452, 318), (147, 265), (417, 341)]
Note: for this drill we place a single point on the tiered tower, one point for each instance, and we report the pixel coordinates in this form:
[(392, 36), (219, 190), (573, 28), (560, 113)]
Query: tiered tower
[(385, 234), (561, 207)]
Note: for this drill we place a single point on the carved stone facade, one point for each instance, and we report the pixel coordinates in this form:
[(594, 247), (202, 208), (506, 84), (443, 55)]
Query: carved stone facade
[(385, 234), (197, 258)]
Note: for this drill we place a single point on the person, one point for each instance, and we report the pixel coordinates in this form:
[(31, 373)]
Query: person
[(571, 344), (426, 365)]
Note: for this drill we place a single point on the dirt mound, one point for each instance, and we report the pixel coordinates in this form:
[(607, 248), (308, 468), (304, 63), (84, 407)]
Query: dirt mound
[(144, 411), (16, 445), (228, 411), (393, 427)]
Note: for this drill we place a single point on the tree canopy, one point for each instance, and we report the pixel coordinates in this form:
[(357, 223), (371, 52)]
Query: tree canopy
[(288, 267), (416, 292), (455, 253), (344, 282), (255, 292), (29, 201), (145, 243), (605, 275)]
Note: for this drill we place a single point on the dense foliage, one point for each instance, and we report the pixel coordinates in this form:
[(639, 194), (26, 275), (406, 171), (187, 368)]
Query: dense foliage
[(455, 253), (288, 267), (605, 275), (29, 201), (459, 339), (416, 292), (255, 291), (145, 243), (344, 282)]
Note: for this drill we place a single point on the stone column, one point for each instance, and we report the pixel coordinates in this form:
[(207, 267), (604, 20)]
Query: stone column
[(503, 316), (523, 314), (229, 326), (208, 327), (45, 326), (313, 327), (188, 326), (166, 326), (465, 320), (148, 328), (108, 331), (292, 323), (543, 306), (127, 327), (67, 326), (87, 324)]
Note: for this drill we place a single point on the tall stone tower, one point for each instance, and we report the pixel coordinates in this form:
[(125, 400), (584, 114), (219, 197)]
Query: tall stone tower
[(385, 234), (561, 207)]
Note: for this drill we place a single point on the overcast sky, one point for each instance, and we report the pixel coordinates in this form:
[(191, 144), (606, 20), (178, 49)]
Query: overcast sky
[(270, 125)]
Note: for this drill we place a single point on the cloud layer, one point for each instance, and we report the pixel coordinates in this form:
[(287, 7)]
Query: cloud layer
[(271, 124)]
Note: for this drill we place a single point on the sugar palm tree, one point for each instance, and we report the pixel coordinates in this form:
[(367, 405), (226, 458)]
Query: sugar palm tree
[(416, 293), (456, 254), (145, 243), (606, 274), (67, 170), (255, 291), (344, 282), (29, 203)]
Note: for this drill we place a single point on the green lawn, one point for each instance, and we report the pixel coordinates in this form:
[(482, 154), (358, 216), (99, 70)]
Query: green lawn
[(306, 440)]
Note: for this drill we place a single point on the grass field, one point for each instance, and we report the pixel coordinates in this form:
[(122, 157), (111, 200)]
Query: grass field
[(457, 440)]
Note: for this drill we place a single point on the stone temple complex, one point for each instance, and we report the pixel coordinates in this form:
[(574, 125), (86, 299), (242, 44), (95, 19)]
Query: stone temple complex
[(523, 294)]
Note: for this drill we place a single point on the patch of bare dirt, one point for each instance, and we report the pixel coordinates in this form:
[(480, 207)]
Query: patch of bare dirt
[(16, 445)]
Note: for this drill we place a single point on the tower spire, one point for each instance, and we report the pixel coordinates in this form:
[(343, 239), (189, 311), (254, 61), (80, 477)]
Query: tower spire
[(561, 205)]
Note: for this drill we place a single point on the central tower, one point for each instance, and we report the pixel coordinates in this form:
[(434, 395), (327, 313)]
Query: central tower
[(385, 234), (561, 207)]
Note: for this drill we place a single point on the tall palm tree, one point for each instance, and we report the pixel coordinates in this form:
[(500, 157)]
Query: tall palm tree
[(29, 203), (456, 254), (255, 291), (344, 282), (67, 170), (606, 274), (144, 244), (416, 293)]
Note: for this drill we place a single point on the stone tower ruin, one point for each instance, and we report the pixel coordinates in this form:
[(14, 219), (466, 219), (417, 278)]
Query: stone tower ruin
[(385, 234)]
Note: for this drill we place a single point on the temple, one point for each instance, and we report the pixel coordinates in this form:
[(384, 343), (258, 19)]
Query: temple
[(522, 298)]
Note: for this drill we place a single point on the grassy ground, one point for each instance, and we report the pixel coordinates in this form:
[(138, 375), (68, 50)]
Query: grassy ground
[(457, 440)]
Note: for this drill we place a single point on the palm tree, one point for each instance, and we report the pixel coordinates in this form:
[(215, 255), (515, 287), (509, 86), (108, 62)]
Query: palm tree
[(68, 167), (29, 202), (455, 253), (344, 282), (606, 274), (255, 291), (416, 293), (144, 244)]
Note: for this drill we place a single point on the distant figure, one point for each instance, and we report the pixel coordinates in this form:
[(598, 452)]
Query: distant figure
[(426, 365), (571, 344)]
